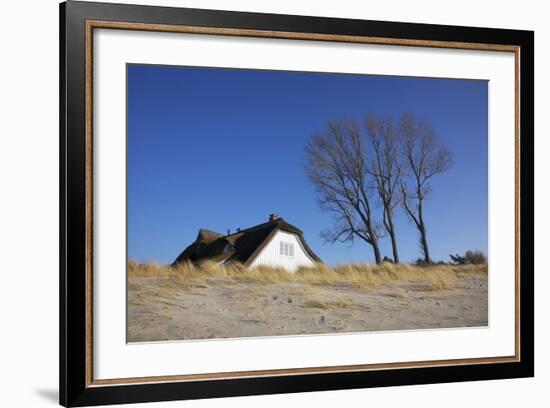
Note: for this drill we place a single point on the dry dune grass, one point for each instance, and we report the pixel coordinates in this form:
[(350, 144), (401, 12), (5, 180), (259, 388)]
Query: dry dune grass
[(358, 275)]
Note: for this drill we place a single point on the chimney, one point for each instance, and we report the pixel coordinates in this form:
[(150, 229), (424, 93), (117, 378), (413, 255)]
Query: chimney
[(228, 231), (273, 217)]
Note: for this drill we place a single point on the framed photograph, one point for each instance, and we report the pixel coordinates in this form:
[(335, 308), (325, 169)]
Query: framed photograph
[(256, 204)]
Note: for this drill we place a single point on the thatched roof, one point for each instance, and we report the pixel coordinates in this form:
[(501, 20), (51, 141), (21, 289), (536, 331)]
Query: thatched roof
[(207, 235), (242, 246)]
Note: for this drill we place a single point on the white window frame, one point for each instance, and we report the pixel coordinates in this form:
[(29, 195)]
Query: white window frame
[(286, 249)]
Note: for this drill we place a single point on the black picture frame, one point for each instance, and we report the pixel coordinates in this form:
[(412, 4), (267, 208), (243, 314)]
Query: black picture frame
[(75, 389)]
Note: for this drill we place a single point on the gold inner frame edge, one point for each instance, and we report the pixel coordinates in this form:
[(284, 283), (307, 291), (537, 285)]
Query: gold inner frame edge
[(93, 24)]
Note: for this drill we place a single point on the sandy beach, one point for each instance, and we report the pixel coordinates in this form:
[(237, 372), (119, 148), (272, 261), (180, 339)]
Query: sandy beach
[(159, 308)]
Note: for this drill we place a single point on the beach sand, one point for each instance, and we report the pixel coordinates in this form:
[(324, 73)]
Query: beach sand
[(228, 307)]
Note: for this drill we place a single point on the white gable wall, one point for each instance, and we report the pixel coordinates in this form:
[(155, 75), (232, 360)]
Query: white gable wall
[(270, 254)]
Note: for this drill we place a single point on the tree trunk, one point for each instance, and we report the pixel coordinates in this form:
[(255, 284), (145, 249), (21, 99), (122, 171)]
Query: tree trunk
[(394, 247), (425, 249), (373, 239), (372, 234), (376, 250), (423, 237), (393, 237)]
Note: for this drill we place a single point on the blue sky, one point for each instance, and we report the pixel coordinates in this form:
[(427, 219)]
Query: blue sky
[(223, 148)]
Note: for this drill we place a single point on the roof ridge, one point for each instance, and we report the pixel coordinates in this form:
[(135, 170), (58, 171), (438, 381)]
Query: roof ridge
[(251, 228)]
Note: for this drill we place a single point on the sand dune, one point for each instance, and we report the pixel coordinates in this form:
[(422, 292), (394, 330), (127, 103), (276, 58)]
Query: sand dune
[(161, 308)]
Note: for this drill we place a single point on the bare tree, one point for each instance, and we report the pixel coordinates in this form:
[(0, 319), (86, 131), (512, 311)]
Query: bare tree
[(386, 169), (424, 157), (337, 167)]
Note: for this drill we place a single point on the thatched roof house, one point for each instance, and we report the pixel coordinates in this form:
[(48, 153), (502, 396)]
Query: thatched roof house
[(274, 243)]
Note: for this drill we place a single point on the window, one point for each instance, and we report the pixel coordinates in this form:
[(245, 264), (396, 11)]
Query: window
[(286, 249)]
